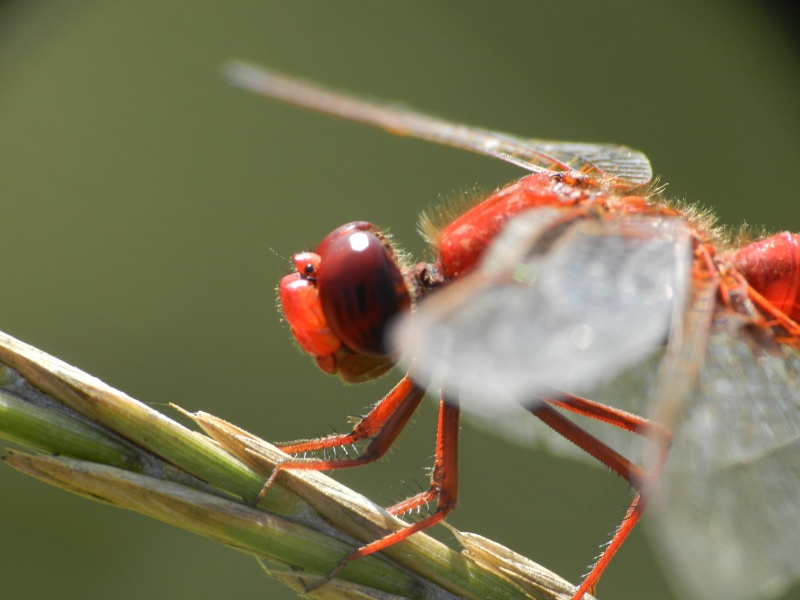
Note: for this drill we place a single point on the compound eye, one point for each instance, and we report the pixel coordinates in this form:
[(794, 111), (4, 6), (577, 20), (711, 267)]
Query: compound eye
[(344, 231), (360, 287)]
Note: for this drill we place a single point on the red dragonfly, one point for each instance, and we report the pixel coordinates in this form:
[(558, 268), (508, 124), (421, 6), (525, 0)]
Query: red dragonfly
[(574, 281)]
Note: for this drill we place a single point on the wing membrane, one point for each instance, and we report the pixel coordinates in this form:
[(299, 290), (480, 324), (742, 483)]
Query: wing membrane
[(729, 501), (572, 316), (614, 166)]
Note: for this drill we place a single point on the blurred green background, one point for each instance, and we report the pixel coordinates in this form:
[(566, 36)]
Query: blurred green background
[(140, 196)]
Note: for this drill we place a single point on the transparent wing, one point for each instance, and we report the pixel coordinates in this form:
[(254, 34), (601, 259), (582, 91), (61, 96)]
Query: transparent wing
[(728, 506), (630, 391), (539, 314), (613, 166)]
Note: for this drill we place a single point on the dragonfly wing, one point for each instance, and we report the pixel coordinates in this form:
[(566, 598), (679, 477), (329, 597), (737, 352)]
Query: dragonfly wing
[(620, 166), (728, 505), (631, 391), (615, 166), (568, 314)]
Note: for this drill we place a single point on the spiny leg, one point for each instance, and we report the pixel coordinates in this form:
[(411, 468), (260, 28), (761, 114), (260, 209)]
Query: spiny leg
[(444, 488), (382, 424), (609, 457)]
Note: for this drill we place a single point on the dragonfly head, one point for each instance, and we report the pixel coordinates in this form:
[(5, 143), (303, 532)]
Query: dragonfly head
[(340, 299)]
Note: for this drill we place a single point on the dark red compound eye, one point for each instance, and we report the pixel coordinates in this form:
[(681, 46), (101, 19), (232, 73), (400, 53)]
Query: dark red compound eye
[(360, 287), (343, 230)]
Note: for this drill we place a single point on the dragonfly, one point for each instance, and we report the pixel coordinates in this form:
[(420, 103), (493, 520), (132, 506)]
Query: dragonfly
[(552, 294)]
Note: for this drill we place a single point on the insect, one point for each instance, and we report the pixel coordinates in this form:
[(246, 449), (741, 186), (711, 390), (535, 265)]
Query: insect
[(548, 292)]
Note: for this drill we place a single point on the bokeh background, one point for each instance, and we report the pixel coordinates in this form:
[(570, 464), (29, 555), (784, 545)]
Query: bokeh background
[(140, 196)]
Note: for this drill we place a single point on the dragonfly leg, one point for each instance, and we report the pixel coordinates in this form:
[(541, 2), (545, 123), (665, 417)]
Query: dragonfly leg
[(443, 488), (382, 424), (633, 474)]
